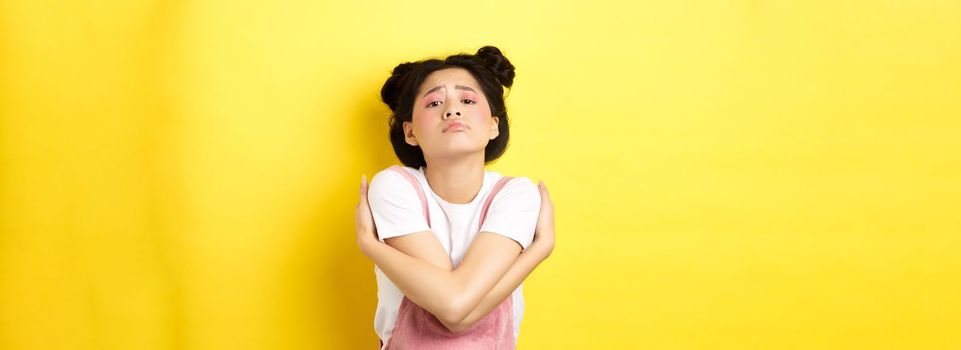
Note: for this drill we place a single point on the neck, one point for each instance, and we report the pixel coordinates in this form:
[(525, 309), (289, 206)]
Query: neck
[(456, 180)]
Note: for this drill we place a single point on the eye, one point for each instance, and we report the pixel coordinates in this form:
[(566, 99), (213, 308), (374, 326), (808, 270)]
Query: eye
[(468, 101), (434, 104)]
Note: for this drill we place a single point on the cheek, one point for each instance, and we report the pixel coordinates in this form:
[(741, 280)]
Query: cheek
[(422, 120), (482, 117), (484, 121)]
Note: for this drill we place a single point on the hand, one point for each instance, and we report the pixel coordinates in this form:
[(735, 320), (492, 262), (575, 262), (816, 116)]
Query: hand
[(366, 231), (544, 232)]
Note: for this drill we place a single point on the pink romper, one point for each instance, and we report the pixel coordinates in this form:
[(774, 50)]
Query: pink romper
[(417, 328)]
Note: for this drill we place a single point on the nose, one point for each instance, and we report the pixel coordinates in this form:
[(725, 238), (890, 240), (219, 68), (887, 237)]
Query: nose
[(448, 115)]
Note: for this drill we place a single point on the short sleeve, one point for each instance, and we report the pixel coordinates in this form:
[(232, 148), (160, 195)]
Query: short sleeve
[(514, 210), (395, 205)]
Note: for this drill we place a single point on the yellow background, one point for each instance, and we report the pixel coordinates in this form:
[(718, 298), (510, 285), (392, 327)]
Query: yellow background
[(727, 175)]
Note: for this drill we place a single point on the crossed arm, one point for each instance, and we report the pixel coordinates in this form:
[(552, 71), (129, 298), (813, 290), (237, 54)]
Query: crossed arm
[(492, 268), (454, 295)]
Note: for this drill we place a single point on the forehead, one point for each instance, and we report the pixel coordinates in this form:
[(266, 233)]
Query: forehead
[(448, 76)]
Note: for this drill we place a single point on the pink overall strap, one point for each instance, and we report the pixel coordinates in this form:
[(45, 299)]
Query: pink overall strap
[(420, 191), (490, 199)]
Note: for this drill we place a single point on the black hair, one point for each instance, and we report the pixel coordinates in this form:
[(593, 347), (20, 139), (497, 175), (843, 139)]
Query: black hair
[(488, 66)]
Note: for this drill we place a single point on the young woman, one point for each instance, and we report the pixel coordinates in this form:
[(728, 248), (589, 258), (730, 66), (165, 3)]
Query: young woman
[(451, 241)]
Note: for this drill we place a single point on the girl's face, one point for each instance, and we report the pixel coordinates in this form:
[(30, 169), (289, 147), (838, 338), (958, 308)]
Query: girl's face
[(451, 116)]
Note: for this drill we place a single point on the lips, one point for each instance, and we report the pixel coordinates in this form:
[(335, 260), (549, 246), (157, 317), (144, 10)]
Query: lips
[(455, 126)]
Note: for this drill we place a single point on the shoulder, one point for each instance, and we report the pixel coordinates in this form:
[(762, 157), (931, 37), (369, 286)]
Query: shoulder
[(392, 175), (521, 184), (391, 180), (519, 188)]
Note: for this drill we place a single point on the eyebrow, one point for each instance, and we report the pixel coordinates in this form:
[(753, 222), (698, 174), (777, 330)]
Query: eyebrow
[(458, 87)]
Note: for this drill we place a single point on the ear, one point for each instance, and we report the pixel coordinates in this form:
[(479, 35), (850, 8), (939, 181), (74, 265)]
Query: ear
[(409, 134), (494, 132)]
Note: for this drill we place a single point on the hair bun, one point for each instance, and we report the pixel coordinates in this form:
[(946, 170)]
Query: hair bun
[(497, 63), (389, 93), (403, 68)]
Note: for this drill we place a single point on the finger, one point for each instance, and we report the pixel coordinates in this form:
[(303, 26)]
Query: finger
[(545, 194), (363, 189)]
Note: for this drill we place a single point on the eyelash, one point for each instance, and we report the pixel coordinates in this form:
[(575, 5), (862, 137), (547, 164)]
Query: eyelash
[(432, 103)]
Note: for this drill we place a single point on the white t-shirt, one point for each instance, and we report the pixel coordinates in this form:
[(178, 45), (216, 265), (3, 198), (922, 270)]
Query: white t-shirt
[(398, 211)]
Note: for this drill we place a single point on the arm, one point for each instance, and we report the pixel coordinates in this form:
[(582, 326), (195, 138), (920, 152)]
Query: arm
[(539, 250), (424, 246), (429, 281), (448, 295), (518, 272)]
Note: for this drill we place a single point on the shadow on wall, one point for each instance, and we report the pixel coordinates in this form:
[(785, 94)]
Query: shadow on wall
[(345, 277)]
